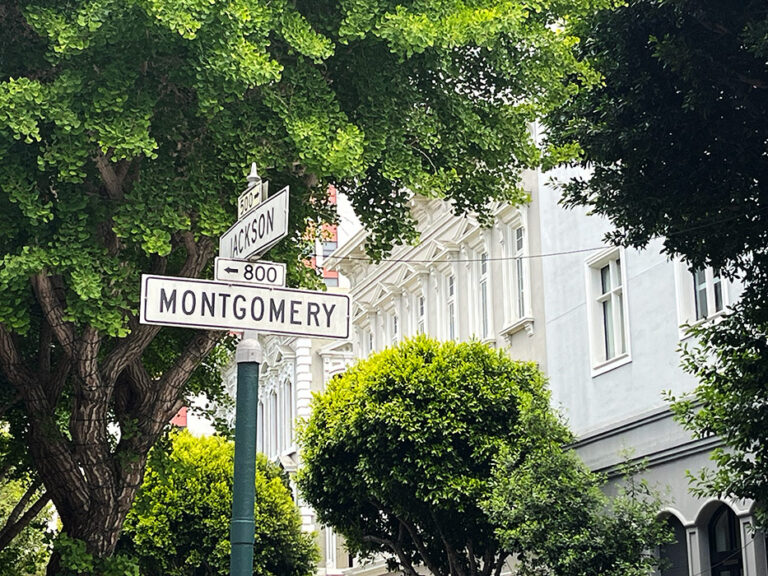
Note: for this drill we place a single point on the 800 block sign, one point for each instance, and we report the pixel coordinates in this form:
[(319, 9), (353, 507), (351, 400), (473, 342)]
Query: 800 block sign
[(261, 272)]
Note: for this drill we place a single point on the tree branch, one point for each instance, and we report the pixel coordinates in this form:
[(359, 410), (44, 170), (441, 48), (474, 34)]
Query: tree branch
[(453, 558), (113, 182), (56, 382), (54, 312), (499, 565), (398, 551), (13, 526), (198, 254), (10, 360), (169, 386), (419, 543), (88, 358), (132, 347)]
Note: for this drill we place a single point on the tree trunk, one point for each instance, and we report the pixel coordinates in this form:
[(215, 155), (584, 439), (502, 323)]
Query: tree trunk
[(91, 482)]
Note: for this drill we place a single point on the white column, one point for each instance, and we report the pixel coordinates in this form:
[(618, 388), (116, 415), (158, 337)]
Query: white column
[(695, 560)]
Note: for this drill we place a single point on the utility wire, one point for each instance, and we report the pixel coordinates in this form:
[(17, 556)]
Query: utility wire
[(532, 256)]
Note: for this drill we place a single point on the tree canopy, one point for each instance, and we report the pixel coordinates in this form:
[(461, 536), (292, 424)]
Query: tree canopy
[(126, 129), (448, 455), (179, 522), (675, 137)]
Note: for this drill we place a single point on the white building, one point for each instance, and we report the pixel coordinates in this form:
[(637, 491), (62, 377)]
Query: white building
[(603, 323)]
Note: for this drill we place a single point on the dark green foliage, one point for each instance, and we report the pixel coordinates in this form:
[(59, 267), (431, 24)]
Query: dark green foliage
[(731, 401), (675, 133), (552, 511), (179, 523), (400, 455), (676, 140)]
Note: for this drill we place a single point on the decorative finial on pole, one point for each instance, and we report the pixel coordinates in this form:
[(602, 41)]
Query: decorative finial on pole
[(253, 178)]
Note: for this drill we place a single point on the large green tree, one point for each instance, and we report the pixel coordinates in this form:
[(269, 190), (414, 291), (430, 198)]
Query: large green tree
[(179, 522), (126, 129), (448, 456), (675, 138)]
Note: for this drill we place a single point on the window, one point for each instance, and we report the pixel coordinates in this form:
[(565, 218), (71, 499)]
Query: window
[(370, 341), (451, 307), (422, 315), (395, 329), (607, 309), (519, 274), (261, 427), (483, 295), (329, 246), (288, 413), (274, 430), (702, 294), (675, 554), (707, 293), (725, 543)]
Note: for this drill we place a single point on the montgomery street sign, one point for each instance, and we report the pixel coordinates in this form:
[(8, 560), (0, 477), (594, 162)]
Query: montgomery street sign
[(207, 304), (244, 272), (258, 230)]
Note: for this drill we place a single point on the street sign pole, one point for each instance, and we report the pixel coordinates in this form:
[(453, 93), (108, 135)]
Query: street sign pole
[(249, 356), (249, 296)]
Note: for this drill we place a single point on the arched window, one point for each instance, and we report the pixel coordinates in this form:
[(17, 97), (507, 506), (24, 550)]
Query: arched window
[(725, 543), (674, 555)]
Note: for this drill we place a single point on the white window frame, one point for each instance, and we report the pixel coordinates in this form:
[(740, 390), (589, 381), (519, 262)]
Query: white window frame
[(519, 272), (450, 316), (610, 332), (685, 286), (370, 341), (288, 414), (483, 289), (421, 312), (274, 427), (261, 427), (395, 328)]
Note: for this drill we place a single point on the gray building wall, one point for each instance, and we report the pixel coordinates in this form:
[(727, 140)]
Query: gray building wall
[(617, 409)]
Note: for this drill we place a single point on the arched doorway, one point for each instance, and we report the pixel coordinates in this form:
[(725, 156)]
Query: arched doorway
[(674, 555), (725, 543)]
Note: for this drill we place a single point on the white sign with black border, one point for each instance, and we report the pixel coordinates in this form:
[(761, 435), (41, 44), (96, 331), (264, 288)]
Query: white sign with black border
[(258, 230), (208, 304), (243, 271)]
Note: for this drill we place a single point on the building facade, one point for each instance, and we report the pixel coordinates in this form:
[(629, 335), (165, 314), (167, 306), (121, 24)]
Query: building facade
[(614, 326), (605, 324)]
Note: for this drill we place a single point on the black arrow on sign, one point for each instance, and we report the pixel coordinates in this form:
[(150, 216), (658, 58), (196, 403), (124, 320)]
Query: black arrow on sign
[(231, 270)]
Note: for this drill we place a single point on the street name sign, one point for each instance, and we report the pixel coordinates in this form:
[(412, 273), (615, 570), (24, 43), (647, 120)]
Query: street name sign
[(258, 230), (242, 271), (207, 304), (251, 198)]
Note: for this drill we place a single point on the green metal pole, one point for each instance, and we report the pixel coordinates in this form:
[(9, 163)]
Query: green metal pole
[(249, 355)]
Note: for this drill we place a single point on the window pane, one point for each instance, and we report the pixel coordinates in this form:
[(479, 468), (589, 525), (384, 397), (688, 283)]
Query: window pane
[(605, 279), (620, 314), (484, 308), (483, 263), (608, 335), (451, 285), (329, 247), (451, 322), (700, 293), (519, 240), (520, 288), (717, 286)]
